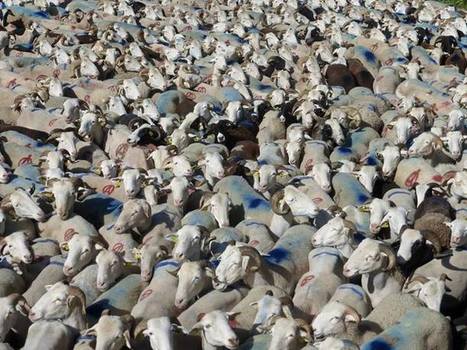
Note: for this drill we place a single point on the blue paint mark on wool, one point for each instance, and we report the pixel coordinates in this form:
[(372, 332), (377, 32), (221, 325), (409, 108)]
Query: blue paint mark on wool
[(165, 263), (370, 56), (277, 255), (345, 150), (362, 198), (353, 289), (255, 203), (377, 344), (372, 160)]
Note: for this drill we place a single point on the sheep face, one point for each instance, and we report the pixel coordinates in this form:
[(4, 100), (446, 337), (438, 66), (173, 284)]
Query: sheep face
[(299, 203), (88, 125), (135, 213), (458, 232), (67, 141), (10, 306), (286, 334), (56, 304), (397, 218), (179, 186), (109, 269), (64, 194), (334, 233), (25, 206), (108, 168), (267, 307), (180, 166), (150, 254), (367, 176), (232, 268), (132, 179), (111, 333), (216, 329), (189, 242), (333, 319), (266, 177), (430, 292), (368, 257), (391, 157), (5, 173), (410, 239), (219, 206), (294, 152), (191, 281), (159, 331), (321, 173), (81, 251), (18, 248)]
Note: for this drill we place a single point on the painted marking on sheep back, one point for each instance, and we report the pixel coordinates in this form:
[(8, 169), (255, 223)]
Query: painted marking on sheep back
[(69, 233), (25, 160), (108, 189), (412, 178), (377, 344), (276, 256), (117, 247), (306, 280), (145, 294), (257, 203)]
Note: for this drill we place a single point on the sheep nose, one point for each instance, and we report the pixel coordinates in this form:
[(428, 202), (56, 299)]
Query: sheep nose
[(456, 239), (145, 275), (400, 260), (374, 228), (233, 342), (67, 270), (27, 258), (179, 256), (178, 202)]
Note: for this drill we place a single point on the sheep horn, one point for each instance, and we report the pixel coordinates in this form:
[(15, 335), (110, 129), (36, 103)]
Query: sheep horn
[(275, 203), (351, 311), (253, 254), (444, 277), (421, 279), (390, 255), (302, 324)]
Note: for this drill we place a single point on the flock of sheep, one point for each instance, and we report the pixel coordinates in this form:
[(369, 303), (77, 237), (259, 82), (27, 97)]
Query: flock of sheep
[(251, 174)]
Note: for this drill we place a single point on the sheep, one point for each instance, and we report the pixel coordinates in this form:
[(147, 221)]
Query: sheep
[(375, 261), (420, 328), (49, 335), (216, 331), (316, 287), (349, 325), (451, 266), (193, 279), (458, 232), (161, 336), (279, 269), (70, 310), (14, 310), (428, 290), (214, 300), (112, 332)]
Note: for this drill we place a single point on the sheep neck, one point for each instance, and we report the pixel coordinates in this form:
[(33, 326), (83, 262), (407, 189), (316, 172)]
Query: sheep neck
[(206, 346), (76, 319)]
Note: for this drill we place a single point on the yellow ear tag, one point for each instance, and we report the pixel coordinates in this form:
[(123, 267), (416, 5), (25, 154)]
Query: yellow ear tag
[(118, 183), (65, 247), (364, 208), (127, 264), (136, 254), (385, 225), (174, 239)]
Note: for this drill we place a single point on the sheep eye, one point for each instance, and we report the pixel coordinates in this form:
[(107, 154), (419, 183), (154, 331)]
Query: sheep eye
[(369, 258), (207, 326), (85, 251)]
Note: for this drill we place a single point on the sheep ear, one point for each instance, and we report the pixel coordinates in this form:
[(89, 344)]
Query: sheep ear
[(415, 288), (90, 331), (48, 286), (255, 303), (126, 335), (98, 247)]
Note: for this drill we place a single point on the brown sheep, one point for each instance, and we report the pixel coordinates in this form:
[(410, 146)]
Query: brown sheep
[(360, 73), (340, 75), (457, 58)]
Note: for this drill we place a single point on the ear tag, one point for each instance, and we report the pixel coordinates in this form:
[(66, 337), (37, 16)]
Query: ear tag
[(118, 183), (136, 254), (65, 247), (385, 225)]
